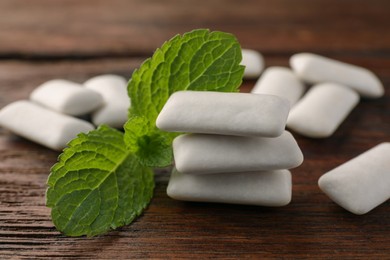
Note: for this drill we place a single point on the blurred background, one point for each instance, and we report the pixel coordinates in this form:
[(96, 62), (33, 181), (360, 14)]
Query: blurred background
[(115, 36), (70, 28)]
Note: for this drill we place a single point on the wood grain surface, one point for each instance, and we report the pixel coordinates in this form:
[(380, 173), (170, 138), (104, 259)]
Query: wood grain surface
[(42, 39)]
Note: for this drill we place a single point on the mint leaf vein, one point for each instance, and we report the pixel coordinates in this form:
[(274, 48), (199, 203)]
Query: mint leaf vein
[(97, 184)]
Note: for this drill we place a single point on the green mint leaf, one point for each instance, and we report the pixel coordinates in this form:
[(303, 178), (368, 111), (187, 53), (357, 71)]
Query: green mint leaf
[(97, 184), (146, 143), (198, 60)]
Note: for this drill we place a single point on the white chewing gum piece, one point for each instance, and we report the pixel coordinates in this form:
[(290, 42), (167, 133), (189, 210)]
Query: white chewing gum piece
[(281, 82), (362, 183), (314, 69), (253, 62), (323, 108), (271, 188), (41, 125), (113, 89), (203, 154), (66, 97), (241, 114)]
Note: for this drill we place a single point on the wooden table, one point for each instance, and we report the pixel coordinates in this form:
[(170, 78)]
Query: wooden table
[(42, 40)]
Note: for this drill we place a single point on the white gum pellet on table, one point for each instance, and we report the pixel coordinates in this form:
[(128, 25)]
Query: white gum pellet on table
[(253, 62), (113, 89), (242, 114), (66, 97), (281, 82), (269, 188), (41, 125), (204, 153), (323, 108), (314, 69), (362, 183)]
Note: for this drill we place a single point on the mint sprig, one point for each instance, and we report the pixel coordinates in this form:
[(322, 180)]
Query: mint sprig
[(101, 181)]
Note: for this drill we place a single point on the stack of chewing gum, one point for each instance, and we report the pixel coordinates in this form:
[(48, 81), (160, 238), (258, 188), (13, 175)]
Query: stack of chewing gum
[(238, 150)]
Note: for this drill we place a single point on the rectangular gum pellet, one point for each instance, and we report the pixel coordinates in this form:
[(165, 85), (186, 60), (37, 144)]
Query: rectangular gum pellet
[(281, 82), (362, 183), (239, 114), (315, 69), (116, 101), (41, 125), (271, 188), (204, 154), (66, 97), (323, 108), (253, 62)]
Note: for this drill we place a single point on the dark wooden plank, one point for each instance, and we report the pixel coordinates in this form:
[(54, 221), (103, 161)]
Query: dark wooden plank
[(74, 28), (310, 227)]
